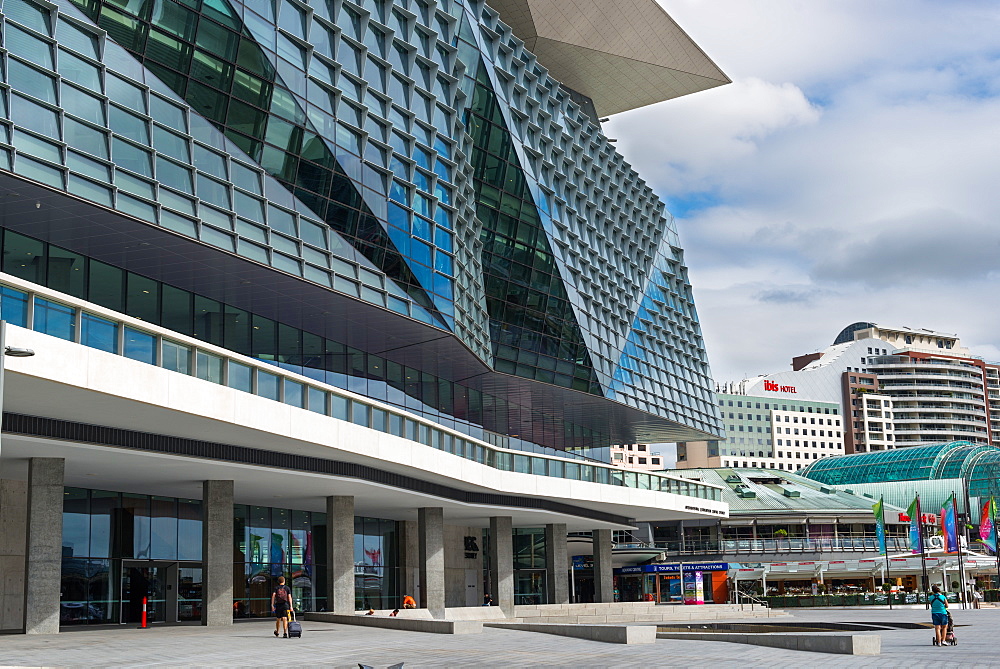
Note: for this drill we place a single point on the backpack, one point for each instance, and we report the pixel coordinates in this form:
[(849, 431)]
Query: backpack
[(281, 594)]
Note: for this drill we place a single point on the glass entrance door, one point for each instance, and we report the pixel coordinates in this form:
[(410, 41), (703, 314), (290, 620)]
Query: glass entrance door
[(157, 582)]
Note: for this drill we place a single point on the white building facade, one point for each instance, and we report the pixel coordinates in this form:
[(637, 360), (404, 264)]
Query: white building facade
[(783, 434)]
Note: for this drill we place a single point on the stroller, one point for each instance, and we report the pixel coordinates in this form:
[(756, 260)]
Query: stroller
[(949, 634)]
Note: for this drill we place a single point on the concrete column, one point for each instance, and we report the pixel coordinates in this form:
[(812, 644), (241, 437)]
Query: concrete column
[(340, 554), (217, 553), (13, 539), (502, 563), (43, 548), (430, 522), (604, 584), (409, 559), (556, 564)]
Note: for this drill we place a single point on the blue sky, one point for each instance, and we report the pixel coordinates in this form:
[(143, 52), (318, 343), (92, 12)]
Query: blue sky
[(850, 172)]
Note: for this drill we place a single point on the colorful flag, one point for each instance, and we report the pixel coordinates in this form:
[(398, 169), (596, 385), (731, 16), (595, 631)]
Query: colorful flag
[(916, 543), (987, 535), (949, 525), (879, 526)]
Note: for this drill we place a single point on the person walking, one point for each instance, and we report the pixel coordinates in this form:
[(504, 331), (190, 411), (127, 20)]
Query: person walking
[(939, 614), (977, 597), (281, 604)]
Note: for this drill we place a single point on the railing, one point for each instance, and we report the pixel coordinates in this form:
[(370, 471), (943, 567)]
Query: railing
[(62, 316), (737, 546), (854, 599), (906, 361), (742, 597)]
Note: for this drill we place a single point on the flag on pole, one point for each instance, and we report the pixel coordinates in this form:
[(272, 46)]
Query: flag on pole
[(949, 525), (916, 544), (986, 534), (879, 526)]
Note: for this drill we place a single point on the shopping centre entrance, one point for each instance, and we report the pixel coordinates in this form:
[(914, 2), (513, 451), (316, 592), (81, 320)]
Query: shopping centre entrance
[(172, 591)]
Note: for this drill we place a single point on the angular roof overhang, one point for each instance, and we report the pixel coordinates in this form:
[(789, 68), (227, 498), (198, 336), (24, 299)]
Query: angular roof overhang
[(623, 54)]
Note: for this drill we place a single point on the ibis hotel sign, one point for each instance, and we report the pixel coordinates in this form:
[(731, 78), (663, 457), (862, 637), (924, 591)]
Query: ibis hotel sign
[(771, 386)]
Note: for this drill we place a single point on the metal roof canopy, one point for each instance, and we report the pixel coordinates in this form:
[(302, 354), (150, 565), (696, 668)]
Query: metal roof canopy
[(622, 54)]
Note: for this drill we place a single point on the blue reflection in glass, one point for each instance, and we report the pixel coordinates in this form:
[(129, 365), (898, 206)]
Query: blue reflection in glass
[(99, 333), (54, 319), (140, 346)]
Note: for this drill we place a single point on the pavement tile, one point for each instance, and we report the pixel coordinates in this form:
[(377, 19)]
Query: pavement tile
[(252, 644)]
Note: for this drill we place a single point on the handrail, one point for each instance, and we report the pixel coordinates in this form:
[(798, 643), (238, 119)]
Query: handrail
[(77, 320), (855, 544), (740, 595)]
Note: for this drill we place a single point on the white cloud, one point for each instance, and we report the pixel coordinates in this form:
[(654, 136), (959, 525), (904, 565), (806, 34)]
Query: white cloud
[(848, 174), (683, 147)]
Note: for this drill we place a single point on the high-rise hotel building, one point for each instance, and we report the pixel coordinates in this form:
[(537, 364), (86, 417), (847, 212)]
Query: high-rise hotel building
[(358, 293)]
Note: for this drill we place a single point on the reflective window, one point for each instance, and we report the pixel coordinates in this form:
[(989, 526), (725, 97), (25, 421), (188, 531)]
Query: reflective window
[(13, 306), (129, 125), (140, 346), (83, 105), (340, 407), (317, 400), (268, 385), (34, 116), (294, 393), (240, 377), (99, 333), (209, 367), (54, 319), (33, 82), (86, 138), (176, 357)]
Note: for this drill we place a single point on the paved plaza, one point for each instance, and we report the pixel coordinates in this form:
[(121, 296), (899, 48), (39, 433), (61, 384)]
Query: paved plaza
[(251, 644)]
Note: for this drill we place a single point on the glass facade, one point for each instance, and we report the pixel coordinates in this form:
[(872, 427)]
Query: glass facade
[(37, 312), (377, 575), (109, 536), (529, 566), (119, 547), (273, 542), (451, 404), (532, 326), (407, 153)]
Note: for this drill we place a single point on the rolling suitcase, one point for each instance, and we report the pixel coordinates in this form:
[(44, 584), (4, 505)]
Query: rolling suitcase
[(294, 626)]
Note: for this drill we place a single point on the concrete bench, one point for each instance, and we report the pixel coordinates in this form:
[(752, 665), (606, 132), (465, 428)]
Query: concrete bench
[(844, 644), (474, 613), (627, 634), (408, 624)]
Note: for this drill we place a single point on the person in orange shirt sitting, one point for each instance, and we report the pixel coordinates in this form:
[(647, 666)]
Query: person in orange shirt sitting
[(409, 602)]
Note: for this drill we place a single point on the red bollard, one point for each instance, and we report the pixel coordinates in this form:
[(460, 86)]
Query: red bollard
[(143, 625)]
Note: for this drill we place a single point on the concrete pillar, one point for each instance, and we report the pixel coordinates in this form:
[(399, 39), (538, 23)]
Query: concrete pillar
[(556, 564), (340, 554), (43, 548), (217, 553), (409, 559), (430, 522), (604, 584), (13, 538), (502, 563)]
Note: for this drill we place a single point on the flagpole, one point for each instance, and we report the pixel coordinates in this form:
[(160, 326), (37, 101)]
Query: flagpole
[(996, 536), (923, 553), (961, 560), (885, 545)]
